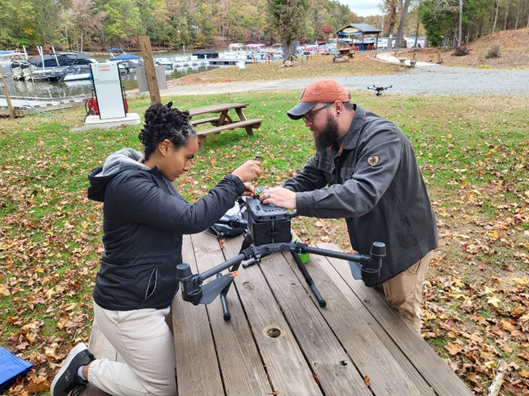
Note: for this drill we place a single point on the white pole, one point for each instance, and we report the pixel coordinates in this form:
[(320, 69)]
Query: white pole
[(39, 48), (55, 55)]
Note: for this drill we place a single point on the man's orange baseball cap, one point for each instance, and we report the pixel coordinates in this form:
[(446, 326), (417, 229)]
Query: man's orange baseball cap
[(326, 91)]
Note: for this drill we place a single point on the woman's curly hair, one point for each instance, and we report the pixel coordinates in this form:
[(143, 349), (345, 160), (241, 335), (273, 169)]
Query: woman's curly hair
[(164, 122)]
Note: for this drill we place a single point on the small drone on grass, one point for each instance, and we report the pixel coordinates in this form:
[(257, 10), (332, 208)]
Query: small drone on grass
[(379, 89)]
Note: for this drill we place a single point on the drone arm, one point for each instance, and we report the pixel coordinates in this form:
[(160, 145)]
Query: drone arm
[(339, 255), (222, 266), (371, 263), (192, 282)]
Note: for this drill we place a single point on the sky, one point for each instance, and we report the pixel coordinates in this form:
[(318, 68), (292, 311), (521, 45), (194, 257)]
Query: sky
[(363, 8)]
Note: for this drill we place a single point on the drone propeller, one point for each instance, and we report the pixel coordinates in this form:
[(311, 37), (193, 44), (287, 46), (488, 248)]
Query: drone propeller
[(211, 290)]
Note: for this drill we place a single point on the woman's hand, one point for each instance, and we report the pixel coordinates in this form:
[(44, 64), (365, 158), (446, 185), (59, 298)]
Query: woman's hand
[(250, 190), (250, 170)]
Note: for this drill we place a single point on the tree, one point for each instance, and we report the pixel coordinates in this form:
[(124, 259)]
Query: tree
[(391, 6), (46, 16), (288, 17), (86, 17), (439, 20), (17, 23), (402, 22), (460, 35)]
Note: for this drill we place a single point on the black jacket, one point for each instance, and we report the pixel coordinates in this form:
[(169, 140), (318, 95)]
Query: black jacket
[(375, 183), (144, 219)]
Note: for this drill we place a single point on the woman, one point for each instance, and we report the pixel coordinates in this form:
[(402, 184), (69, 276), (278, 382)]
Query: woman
[(144, 220)]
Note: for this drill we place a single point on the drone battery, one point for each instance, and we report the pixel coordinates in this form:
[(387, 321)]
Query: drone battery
[(270, 232), (268, 223)]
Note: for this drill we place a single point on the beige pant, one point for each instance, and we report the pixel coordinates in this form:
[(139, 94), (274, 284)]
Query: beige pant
[(144, 341), (404, 292)]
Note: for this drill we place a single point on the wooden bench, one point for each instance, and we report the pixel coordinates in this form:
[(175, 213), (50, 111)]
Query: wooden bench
[(223, 121), (246, 124), (211, 120), (280, 341)]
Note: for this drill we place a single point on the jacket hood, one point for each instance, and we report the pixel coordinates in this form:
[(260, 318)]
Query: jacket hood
[(124, 159)]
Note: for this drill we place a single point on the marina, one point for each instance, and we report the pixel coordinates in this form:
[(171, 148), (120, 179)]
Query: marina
[(67, 76), (32, 93)]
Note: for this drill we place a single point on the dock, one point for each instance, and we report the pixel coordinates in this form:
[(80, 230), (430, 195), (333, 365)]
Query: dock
[(25, 106)]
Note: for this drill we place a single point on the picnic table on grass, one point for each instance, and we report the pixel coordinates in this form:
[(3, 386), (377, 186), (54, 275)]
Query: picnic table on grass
[(279, 341), (221, 118)]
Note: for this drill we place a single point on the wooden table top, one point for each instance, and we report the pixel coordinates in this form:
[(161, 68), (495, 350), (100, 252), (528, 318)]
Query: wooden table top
[(280, 342), (216, 108)]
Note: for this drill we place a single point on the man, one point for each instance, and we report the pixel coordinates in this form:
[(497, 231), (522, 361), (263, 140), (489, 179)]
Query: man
[(365, 171)]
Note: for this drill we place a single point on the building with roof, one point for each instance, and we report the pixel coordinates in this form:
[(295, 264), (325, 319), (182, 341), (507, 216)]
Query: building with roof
[(360, 34)]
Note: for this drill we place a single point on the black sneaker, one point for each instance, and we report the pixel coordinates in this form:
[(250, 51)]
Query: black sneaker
[(67, 379)]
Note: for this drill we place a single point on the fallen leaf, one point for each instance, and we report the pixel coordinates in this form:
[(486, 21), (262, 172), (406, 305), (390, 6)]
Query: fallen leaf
[(453, 349), (493, 300), (61, 323), (524, 355), (4, 291)]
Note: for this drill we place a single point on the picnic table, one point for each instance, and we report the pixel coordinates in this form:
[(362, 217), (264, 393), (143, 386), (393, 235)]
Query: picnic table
[(349, 52), (220, 118), (279, 341)]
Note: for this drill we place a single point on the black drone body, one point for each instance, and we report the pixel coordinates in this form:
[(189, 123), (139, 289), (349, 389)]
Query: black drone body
[(379, 90), (267, 230)]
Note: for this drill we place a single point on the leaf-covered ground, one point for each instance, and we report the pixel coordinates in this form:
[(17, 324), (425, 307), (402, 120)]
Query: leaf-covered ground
[(512, 45), (474, 157)]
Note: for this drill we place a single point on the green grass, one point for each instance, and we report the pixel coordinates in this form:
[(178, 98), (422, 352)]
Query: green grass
[(473, 152)]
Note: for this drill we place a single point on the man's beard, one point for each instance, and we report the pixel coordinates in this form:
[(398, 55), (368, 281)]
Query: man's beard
[(328, 136)]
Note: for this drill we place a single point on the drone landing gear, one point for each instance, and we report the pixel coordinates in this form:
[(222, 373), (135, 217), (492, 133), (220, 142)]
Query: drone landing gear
[(308, 279), (225, 312)]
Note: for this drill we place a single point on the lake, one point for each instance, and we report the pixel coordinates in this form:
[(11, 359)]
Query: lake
[(56, 89)]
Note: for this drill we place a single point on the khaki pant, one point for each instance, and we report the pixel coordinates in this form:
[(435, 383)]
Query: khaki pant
[(404, 292), (144, 341)]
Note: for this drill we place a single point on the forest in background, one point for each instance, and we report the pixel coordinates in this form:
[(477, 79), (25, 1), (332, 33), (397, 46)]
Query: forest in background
[(92, 25), (97, 25)]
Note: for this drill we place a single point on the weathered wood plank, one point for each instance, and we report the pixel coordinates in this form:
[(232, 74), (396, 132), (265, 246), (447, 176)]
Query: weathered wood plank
[(240, 362), (211, 120), (287, 368), (251, 124), (380, 332), (216, 108), (431, 367), (197, 369), (325, 356), (356, 330)]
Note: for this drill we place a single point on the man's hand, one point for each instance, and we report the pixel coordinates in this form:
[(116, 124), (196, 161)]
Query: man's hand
[(279, 196)]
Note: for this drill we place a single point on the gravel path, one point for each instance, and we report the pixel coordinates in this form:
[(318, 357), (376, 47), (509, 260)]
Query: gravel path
[(428, 80)]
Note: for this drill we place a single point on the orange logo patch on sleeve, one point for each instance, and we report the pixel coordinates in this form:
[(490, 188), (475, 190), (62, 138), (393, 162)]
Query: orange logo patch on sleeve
[(373, 160)]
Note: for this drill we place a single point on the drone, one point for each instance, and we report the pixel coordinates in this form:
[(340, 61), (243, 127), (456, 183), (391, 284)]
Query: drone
[(266, 229), (379, 89)]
